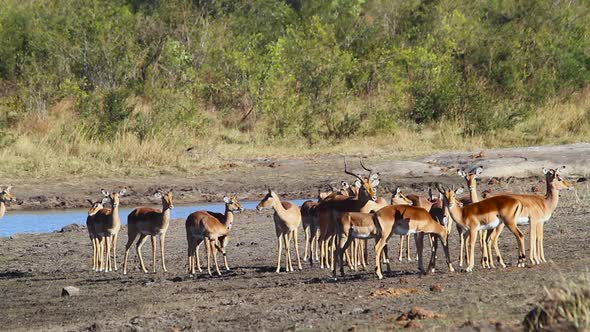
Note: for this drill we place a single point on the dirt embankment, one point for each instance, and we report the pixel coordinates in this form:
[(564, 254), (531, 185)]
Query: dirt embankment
[(298, 178)]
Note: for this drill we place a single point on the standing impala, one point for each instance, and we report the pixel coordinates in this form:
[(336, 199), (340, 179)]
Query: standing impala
[(107, 225), (210, 227), (5, 196), (287, 218), (400, 199), (485, 215), (537, 211), (151, 222), (406, 220), (330, 210), (90, 220)]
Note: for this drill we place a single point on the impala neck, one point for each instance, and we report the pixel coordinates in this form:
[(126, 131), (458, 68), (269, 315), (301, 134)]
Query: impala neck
[(229, 217), (2, 209), (279, 209), (552, 196), (456, 213), (473, 194), (115, 214)]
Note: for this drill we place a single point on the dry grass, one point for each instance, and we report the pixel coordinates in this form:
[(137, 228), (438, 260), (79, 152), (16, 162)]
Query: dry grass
[(54, 150)]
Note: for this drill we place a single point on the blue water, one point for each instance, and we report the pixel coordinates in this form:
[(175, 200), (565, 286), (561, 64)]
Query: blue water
[(51, 220)]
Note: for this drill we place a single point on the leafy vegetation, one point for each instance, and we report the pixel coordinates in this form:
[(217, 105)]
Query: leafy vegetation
[(79, 76)]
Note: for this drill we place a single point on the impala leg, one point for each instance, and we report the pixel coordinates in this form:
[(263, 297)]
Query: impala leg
[(533, 243), (495, 237), (462, 250), (280, 247), (208, 250), (197, 255), (130, 240), (484, 249), (378, 247), (447, 256), (520, 239), (408, 249), (351, 255), (401, 247), (190, 253), (115, 237), (540, 249), (316, 244), (94, 255), (433, 250), (296, 245), (307, 243), (140, 242), (343, 245), (489, 241), (108, 254), (365, 256), (222, 249), (162, 251), (214, 248), (385, 257), (472, 241), (153, 240), (288, 251), (419, 239)]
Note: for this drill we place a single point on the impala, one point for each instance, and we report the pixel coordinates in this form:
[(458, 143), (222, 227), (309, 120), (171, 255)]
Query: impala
[(90, 219), (151, 222), (405, 220), (310, 229), (484, 215), (330, 210), (287, 218), (107, 225), (400, 199), (5, 196), (212, 228), (537, 211)]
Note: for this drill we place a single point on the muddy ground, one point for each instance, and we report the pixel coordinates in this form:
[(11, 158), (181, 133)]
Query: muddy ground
[(35, 267)]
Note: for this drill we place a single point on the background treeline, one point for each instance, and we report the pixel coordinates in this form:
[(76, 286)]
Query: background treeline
[(159, 77)]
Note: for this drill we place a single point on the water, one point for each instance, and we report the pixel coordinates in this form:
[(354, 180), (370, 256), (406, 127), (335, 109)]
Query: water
[(51, 220)]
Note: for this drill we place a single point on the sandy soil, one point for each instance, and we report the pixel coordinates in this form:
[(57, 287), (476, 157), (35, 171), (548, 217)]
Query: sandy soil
[(35, 267)]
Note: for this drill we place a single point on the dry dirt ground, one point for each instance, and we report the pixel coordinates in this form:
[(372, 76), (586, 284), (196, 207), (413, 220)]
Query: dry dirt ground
[(35, 267)]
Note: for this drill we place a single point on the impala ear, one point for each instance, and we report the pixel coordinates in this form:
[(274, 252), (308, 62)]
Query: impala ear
[(374, 177), (344, 185), (10, 187), (357, 183), (545, 170), (104, 201), (123, 191), (375, 183), (226, 199), (478, 171), (461, 173), (106, 193), (398, 191), (158, 194), (557, 170), (445, 221), (459, 191)]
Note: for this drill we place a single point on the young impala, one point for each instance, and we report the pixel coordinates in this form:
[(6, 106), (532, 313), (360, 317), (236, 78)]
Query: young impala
[(485, 215), (90, 220), (287, 218), (107, 225), (213, 228), (406, 220), (536, 212), (150, 222)]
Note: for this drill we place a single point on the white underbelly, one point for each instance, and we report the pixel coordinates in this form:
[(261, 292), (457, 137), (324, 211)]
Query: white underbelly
[(523, 221), (399, 230), (490, 225), (362, 232)]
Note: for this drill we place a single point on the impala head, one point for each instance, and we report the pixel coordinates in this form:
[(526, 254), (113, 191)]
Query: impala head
[(113, 197), (449, 196), (6, 196), (366, 185), (96, 206), (555, 180), (167, 202), (399, 199), (470, 177), (267, 201), (232, 204)]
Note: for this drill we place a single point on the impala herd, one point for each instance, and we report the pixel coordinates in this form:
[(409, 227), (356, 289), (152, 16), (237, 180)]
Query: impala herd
[(338, 225)]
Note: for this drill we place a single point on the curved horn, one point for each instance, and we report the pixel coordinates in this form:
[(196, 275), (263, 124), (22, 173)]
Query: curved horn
[(350, 173), (366, 169)]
